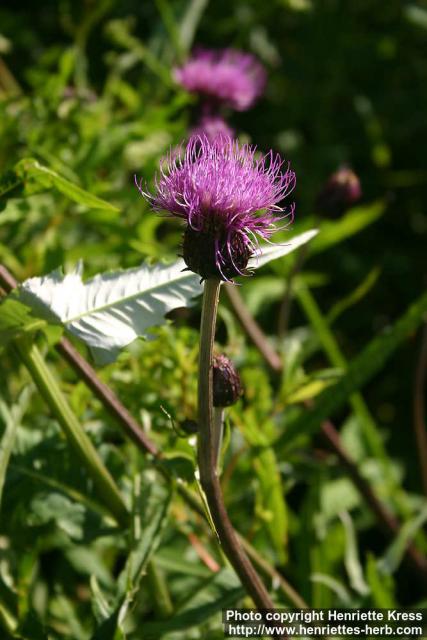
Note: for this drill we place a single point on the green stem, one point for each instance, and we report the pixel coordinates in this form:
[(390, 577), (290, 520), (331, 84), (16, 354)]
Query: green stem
[(50, 391), (218, 426), (206, 455)]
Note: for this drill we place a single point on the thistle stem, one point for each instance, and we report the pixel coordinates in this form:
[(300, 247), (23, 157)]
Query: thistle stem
[(218, 424), (206, 455)]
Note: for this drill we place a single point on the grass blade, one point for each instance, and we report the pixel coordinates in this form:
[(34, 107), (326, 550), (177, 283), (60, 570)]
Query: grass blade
[(29, 169), (362, 369), (12, 418)]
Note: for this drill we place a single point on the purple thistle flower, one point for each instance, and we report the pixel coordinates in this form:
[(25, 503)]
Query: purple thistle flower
[(227, 76), (212, 127), (228, 197)]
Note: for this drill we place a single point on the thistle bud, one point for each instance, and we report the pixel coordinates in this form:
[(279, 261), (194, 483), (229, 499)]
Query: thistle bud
[(200, 253), (227, 386), (340, 192)]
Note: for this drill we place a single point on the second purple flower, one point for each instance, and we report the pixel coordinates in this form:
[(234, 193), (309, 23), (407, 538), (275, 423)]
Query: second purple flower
[(228, 76)]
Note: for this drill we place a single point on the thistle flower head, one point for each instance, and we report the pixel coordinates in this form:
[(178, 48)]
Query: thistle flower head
[(212, 126), (228, 196), (227, 76), (227, 386)]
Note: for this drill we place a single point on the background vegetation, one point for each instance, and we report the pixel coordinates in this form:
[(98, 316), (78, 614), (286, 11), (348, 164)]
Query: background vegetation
[(86, 90)]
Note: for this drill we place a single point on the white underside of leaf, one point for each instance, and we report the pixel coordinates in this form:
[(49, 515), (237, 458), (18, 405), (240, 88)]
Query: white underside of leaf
[(273, 251), (111, 310)]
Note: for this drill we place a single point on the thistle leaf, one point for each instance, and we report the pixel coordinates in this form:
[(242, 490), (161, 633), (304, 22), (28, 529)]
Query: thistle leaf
[(275, 251), (110, 310)]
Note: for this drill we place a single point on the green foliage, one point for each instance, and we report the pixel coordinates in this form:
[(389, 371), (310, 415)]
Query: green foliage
[(16, 319), (354, 221), (35, 176), (363, 367), (88, 100)]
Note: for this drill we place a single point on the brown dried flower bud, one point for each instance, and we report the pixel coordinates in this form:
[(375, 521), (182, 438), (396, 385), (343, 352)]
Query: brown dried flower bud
[(227, 386), (341, 191)]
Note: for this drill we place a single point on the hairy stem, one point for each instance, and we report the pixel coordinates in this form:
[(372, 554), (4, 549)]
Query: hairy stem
[(206, 455)]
